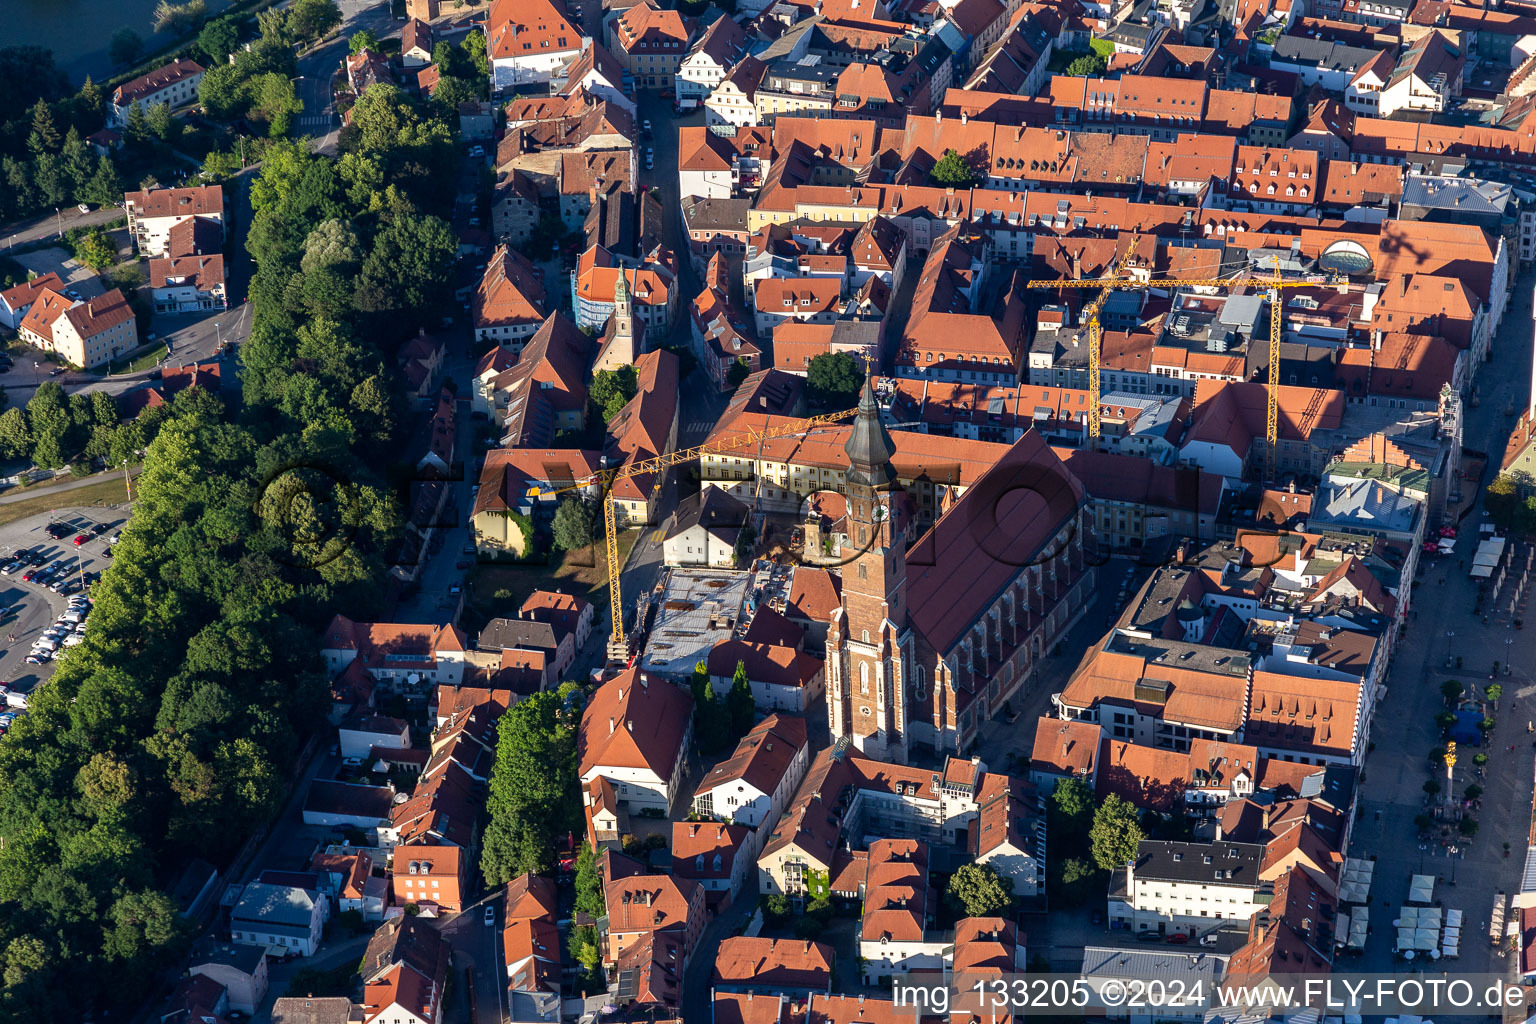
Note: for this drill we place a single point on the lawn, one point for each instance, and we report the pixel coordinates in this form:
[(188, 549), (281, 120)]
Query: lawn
[(1103, 47), (155, 352), (499, 590), (47, 497)]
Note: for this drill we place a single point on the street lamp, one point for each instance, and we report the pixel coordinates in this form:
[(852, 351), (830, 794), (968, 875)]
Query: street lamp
[(59, 214)]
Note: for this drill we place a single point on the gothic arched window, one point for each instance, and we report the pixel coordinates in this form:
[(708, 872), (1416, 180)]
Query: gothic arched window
[(863, 571), (864, 679)]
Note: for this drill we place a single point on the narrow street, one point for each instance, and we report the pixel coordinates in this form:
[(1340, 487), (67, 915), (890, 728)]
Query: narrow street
[(319, 120), (1440, 627)]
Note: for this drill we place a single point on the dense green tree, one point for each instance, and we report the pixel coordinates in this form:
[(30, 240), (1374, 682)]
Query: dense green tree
[(611, 390), (273, 102), (15, 437), (219, 168), (45, 134), (361, 40), (53, 185), (89, 101), (218, 39), (480, 61), (1073, 800), (1089, 65), (272, 24), (575, 523), (126, 46), (161, 124), (532, 791), (95, 250), (27, 74), (739, 703), (310, 19), (589, 883), (137, 133), (1116, 833), (976, 890), (105, 187), (1075, 871), (410, 266), (737, 373), (833, 380), (78, 163), (222, 91), (49, 422), (953, 171), (18, 180)]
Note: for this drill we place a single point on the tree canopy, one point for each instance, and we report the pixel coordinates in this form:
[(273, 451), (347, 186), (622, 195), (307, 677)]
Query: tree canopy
[(533, 789), (1089, 65), (953, 171), (976, 890), (833, 380), (1116, 833), (170, 733), (611, 390)]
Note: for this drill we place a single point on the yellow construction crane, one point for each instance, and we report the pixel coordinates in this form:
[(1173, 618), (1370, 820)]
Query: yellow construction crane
[(1106, 284), (607, 477), (1112, 281)]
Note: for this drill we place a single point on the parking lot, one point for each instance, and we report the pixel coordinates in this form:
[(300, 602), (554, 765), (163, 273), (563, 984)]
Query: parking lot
[(33, 608)]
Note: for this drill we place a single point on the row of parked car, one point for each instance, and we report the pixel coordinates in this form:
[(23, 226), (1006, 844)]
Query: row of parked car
[(8, 719), (59, 575), (68, 630)]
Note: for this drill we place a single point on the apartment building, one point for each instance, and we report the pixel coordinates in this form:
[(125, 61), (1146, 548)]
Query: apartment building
[(152, 214), (1188, 888), (82, 332)]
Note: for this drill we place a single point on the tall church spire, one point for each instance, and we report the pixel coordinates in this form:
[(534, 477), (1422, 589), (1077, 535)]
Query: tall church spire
[(870, 447)]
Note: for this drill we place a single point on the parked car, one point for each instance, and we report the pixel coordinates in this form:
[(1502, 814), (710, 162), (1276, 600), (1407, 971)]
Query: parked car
[(28, 577), (81, 539), (490, 917), (463, 563), (36, 659)]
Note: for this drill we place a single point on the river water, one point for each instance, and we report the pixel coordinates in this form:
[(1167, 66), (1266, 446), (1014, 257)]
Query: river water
[(79, 31)]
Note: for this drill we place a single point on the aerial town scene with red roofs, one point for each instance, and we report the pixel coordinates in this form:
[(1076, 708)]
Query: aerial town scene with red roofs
[(767, 511)]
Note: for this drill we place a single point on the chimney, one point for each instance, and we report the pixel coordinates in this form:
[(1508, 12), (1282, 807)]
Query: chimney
[(629, 723), (962, 117), (938, 118), (610, 726)]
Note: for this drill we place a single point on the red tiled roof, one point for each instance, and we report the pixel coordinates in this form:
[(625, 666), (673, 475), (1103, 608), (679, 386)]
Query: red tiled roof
[(634, 722), (151, 83), (523, 28)]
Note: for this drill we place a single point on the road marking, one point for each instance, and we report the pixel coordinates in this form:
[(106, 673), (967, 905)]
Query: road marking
[(656, 535)]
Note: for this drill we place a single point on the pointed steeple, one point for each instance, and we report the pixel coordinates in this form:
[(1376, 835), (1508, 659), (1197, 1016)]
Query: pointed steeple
[(870, 447)]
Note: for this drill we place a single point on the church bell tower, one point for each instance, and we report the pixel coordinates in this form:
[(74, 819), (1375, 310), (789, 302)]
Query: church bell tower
[(866, 699)]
